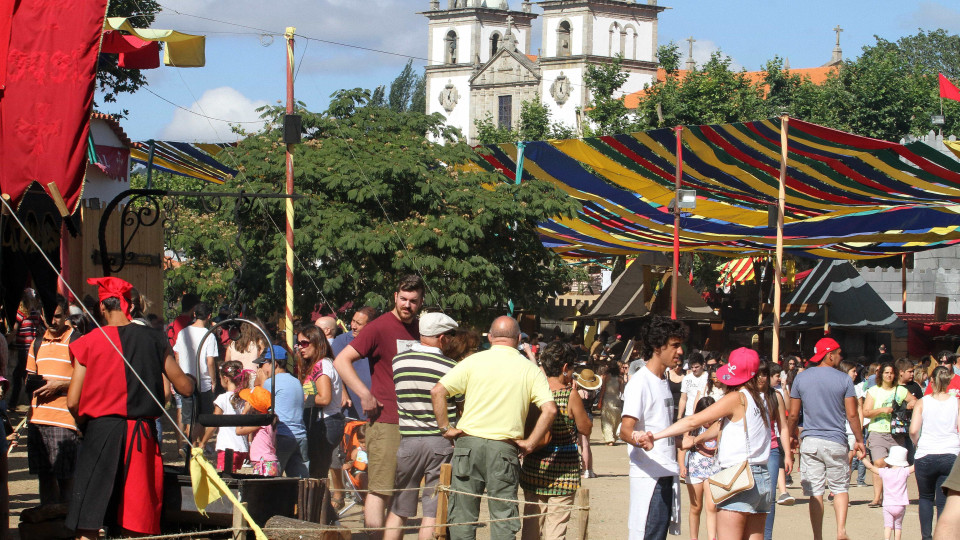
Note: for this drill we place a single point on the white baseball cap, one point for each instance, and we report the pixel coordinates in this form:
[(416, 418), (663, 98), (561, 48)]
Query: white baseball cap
[(434, 324)]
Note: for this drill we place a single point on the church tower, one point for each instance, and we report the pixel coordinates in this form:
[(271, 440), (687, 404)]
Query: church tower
[(464, 35), (578, 33)]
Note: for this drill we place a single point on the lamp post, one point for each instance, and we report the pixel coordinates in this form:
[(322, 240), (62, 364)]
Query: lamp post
[(683, 199), (938, 120)]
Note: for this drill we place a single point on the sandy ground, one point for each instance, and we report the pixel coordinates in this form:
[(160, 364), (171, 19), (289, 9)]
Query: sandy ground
[(609, 499)]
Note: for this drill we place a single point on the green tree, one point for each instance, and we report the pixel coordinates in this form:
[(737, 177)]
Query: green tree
[(669, 57), (111, 78), (381, 200), (606, 111), (404, 88), (534, 125)]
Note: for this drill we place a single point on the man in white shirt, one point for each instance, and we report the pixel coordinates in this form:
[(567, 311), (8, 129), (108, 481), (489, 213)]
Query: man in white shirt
[(185, 350), (693, 383), (648, 407)]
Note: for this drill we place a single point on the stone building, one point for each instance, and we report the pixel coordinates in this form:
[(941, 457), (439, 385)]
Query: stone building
[(481, 63)]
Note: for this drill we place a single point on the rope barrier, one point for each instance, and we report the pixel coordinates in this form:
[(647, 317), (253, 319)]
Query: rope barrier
[(187, 534)]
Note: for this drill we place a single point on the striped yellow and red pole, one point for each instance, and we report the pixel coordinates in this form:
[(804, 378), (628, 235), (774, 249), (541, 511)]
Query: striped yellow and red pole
[(288, 312)]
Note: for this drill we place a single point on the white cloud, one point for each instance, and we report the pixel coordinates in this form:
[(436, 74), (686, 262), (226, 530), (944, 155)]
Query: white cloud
[(224, 104), (389, 25), (933, 15), (702, 50)]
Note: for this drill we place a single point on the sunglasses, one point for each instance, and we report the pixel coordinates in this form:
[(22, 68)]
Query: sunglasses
[(303, 343)]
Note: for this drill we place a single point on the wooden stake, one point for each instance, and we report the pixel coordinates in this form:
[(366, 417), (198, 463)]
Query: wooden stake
[(446, 475), (58, 199), (239, 524), (582, 500)]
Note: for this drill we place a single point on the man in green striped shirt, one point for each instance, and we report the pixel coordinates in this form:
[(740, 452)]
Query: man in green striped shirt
[(423, 449)]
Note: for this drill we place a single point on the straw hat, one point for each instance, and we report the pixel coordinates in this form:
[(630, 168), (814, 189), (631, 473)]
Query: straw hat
[(588, 380)]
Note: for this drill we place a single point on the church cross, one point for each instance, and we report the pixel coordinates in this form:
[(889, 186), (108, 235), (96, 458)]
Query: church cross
[(690, 40), (838, 30)]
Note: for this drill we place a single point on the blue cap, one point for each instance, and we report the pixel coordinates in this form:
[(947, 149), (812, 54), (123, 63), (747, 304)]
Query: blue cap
[(268, 354)]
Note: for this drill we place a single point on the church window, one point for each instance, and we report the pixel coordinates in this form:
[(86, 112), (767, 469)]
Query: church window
[(451, 47), (505, 112), (563, 39), (494, 43)]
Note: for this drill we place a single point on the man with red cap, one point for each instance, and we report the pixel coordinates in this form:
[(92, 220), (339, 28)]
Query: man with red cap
[(829, 400), (116, 394)]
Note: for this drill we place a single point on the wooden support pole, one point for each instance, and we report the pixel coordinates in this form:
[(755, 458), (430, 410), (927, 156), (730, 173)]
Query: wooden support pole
[(582, 501), (446, 475), (903, 282), (239, 524), (778, 263), (678, 177)]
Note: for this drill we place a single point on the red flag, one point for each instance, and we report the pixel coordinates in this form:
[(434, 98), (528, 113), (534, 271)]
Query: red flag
[(50, 64), (948, 90)]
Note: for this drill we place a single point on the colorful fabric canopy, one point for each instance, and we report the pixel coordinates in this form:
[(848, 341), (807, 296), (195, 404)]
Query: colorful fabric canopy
[(185, 159), (846, 196), (736, 271), (182, 50)]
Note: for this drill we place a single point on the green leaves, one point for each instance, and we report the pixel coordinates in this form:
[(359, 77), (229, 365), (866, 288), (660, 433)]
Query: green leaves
[(383, 200)]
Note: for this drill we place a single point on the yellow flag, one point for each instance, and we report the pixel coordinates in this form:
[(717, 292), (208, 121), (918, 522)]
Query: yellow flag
[(208, 487)]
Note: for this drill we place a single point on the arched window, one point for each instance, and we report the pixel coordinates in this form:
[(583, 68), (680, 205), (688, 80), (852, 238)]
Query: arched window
[(451, 47), (494, 43), (563, 39), (630, 42)]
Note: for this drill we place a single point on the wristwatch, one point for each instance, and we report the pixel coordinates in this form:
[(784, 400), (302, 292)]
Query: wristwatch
[(445, 429)]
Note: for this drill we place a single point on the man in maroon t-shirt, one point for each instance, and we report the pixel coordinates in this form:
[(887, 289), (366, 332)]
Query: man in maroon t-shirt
[(379, 341)]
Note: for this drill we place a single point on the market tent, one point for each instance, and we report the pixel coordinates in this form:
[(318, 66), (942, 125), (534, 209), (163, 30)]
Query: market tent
[(629, 297), (835, 292), (194, 160), (846, 196)]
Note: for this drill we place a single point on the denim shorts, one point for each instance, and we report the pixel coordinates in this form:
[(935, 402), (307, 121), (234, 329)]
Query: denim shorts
[(756, 500)]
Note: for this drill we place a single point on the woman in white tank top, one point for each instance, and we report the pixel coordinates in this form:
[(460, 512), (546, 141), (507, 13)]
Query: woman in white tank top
[(935, 429), (743, 515)]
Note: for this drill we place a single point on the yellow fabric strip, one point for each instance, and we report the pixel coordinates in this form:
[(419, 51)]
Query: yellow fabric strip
[(209, 487)]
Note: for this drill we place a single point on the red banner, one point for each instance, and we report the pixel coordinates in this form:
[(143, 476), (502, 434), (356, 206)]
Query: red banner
[(45, 106), (113, 161)]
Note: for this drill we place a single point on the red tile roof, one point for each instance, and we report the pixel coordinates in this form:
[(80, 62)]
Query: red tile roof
[(816, 75), (114, 126)]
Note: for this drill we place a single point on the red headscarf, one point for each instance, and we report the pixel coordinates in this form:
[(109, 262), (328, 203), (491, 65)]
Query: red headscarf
[(111, 287)]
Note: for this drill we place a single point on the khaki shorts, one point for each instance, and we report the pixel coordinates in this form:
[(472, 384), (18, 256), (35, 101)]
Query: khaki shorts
[(881, 443), (383, 440), (823, 464)]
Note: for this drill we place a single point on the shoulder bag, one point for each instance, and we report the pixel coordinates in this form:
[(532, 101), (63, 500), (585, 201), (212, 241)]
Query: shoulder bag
[(737, 478)]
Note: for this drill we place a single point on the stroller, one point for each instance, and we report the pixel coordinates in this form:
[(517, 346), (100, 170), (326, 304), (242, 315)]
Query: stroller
[(355, 465)]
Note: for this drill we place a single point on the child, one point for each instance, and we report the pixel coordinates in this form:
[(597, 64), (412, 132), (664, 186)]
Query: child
[(232, 377), (263, 448), (356, 465), (895, 498), (700, 462)]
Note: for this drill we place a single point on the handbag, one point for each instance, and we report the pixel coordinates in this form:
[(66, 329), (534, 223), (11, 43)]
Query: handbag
[(734, 479), (900, 417)]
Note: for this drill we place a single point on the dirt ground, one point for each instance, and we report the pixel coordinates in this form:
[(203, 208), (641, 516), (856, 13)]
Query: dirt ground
[(609, 499)]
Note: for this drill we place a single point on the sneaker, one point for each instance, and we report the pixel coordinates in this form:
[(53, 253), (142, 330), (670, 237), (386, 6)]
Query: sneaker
[(862, 484), (789, 480), (589, 474), (786, 499)]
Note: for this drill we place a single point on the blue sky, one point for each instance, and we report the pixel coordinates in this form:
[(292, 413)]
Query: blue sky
[(246, 59)]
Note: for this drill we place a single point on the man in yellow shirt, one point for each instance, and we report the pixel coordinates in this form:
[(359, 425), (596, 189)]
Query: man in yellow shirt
[(499, 385)]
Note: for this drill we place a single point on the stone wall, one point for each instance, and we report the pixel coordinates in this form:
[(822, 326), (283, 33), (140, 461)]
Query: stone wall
[(936, 273)]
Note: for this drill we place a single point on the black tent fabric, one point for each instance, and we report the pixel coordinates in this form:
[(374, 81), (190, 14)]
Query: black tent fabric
[(623, 299), (845, 299), (626, 298)]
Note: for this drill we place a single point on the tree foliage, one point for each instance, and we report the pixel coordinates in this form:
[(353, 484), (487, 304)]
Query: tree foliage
[(534, 125), (606, 111), (381, 200)]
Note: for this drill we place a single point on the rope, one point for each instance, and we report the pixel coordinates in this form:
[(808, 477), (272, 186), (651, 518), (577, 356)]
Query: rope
[(489, 498), (187, 534)]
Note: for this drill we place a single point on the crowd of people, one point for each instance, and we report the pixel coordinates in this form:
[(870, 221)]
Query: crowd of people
[(509, 412)]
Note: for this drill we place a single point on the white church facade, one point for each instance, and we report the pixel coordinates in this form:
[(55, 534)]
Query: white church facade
[(482, 62)]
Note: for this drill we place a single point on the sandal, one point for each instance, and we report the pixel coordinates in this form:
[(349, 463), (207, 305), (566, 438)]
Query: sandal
[(872, 504), (337, 503)]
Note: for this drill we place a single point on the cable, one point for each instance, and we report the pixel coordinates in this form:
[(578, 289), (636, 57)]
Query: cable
[(201, 115)]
